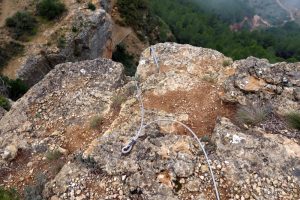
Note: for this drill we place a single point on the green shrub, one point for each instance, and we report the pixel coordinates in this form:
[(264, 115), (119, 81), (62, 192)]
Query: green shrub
[(4, 103), (96, 122), (205, 138), (91, 6), (16, 88), (253, 114), (35, 192), (61, 42), (21, 24), (74, 29), (226, 63), (8, 51), (8, 194), (293, 119), (53, 155), (50, 9), (122, 56)]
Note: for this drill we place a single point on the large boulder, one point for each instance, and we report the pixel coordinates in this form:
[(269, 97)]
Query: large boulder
[(260, 164), (66, 98), (256, 80), (91, 40)]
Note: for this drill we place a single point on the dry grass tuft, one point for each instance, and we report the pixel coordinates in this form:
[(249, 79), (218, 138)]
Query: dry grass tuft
[(253, 114), (293, 119), (96, 122)]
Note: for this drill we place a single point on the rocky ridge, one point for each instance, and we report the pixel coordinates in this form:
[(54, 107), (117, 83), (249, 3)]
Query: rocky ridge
[(258, 80), (197, 86), (81, 34)]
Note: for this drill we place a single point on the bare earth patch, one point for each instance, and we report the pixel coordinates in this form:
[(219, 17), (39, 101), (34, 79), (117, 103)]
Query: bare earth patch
[(202, 104)]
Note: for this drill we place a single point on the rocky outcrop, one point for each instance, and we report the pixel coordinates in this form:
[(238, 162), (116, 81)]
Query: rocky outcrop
[(67, 97), (106, 5), (253, 164), (88, 38), (257, 80), (165, 162), (36, 67)]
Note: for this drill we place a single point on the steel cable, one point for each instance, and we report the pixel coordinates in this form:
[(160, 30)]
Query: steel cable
[(129, 146)]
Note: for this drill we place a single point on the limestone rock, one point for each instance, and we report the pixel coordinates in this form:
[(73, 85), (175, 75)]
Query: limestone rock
[(181, 67), (250, 84), (248, 154), (297, 93), (257, 80), (64, 98), (193, 186), (165, 162), (10, 152), (184, 168)]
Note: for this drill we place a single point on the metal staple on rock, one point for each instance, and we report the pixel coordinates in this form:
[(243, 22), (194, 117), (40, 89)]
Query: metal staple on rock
[(152, 52), (129, 146)]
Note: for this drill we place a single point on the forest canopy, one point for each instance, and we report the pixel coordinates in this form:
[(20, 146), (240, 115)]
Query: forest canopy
[(191, 23)]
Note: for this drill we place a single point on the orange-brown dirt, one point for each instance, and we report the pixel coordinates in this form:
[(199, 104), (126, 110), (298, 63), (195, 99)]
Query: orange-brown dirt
[(77, 138), (202, 104), (22, 175)]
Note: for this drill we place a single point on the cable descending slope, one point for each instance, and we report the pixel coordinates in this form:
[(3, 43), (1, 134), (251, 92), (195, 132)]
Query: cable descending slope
[(127, 148)]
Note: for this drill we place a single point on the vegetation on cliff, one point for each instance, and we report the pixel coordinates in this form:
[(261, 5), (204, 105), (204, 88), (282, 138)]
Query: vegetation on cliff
[(138, 15), (8, 194), (21, 24), (4, 103), (50, 9), (14, 89), (293, 119), (122, 56), (9, 50), (192, 23)]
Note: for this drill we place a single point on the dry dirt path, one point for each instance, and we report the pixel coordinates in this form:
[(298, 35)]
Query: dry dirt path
[(7, 9), (119, 33)]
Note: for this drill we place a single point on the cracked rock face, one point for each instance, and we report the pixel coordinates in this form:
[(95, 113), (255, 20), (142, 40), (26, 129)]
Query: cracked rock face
[(160, 166), (257, 80), (181, 67), (90, 41), (66, 97), (252, 161)]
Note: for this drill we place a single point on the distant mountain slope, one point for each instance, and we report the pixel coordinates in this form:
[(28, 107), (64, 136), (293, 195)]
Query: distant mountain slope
[(235, 10), (271, 10), (200, 26)]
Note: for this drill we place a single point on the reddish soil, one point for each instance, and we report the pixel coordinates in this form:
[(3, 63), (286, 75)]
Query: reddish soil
[(78, 138), (21, 175), (202, 104)]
